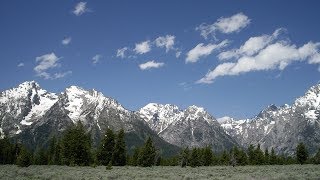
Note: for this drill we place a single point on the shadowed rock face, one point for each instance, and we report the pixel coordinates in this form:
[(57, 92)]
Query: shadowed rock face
[(282, 127)]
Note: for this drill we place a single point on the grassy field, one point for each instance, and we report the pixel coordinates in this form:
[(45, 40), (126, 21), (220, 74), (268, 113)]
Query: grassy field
[(215, 172)]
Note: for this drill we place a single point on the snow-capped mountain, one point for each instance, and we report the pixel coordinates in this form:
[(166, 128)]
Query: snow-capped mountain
[(33, 115), (24, 105), (193, 127), (282, 127)]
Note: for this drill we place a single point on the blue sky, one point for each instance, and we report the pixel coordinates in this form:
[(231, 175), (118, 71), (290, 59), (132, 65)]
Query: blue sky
[(231, 57)]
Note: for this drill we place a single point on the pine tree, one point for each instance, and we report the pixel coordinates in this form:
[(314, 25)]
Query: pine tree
[(119, 153), (184, 156), (225, 158), (266, 156), (40, 157), (7, 154), (51, 150), (207, 156), (147, 154), (24, 158), (273, 157), (57, 153), (259, 157), (105, 151), (135, 156), (242, 158), (195, 158), (251, 154), (76, 146), (316, 158), (302, 153)]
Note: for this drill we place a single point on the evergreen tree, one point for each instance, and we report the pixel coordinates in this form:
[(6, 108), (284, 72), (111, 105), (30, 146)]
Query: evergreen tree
[(316, 158), (119, 153), (251, 154), (76, 146), (24, 158), (105, 151), (302, 153), (56, 159), (147, 154), (184, 156), (259, 157), (234, 154), (242, 158), (207, 156), (40, 157), (225, 158), (157, 159), (266, 156), (51, 150), (7, 153), (195, 158), (135, 156), (273, 157)]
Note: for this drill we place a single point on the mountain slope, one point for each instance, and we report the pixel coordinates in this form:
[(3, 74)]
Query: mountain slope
[(193, 127), (282, 127), (32, 115)]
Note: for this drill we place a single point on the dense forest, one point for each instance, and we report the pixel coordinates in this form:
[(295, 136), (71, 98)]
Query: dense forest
[(74, 149)]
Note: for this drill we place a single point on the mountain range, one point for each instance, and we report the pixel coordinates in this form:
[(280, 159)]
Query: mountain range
[(33, 115)]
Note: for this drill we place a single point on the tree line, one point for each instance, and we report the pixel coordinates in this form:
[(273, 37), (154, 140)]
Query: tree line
[(74, 148), (253, 155)]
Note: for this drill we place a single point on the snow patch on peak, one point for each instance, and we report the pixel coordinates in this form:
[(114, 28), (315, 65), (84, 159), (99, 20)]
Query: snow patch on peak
[(80, 99), (194, 112), (225, 119), (311, 99)]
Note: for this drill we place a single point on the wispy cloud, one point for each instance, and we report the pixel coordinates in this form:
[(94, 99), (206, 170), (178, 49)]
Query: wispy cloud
[(178, 54), (66, 41), (224, 25), (202, 50), (96, 58), (186, 86), (252, 46), (20, 64), (277, 55), (150, 65), (47, 62), (143, 47), (80, 9), (122, 52), (61, 75), (165, 42)]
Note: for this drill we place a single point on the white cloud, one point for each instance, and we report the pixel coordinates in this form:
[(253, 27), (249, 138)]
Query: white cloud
[(47, 62), (61, 75), (121, 52), (202, 50), (20, 65), (225, 25), (80, 8), (96, 58), (165, 42), (178, 53), (150, 64), (143, 47), (66, 41), (274, 56), (252, 46)]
